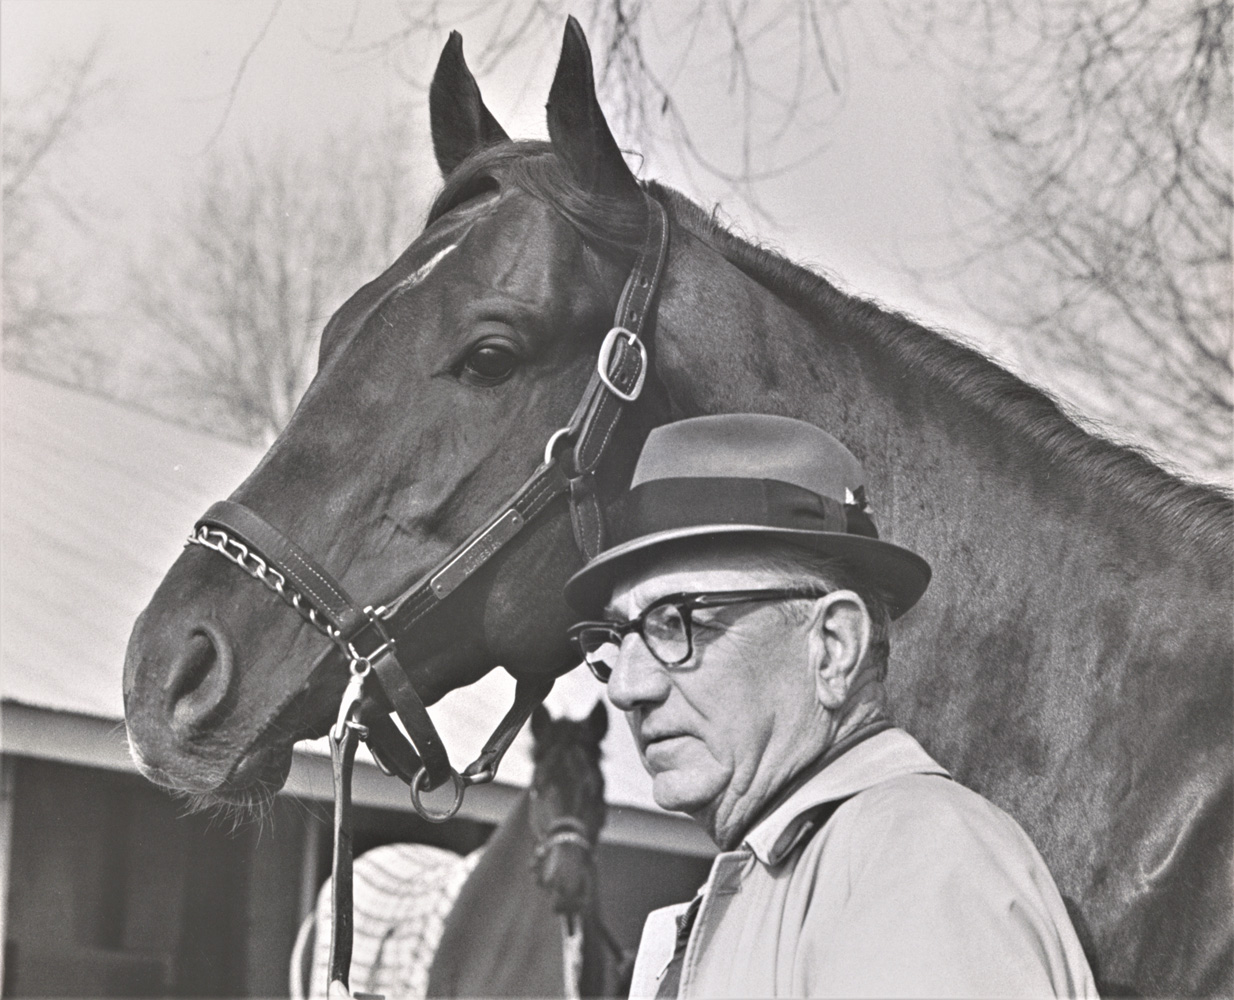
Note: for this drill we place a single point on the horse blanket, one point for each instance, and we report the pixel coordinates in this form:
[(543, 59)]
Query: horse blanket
[(403, 894)]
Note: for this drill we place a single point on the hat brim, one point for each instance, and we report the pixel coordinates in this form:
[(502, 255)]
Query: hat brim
[(899, 573)]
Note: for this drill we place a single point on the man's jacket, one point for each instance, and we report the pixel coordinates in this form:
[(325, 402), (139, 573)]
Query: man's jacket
[(879, 876)]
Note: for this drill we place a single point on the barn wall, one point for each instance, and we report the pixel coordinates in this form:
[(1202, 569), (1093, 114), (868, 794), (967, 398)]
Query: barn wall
[(111, 894), (115, 891)]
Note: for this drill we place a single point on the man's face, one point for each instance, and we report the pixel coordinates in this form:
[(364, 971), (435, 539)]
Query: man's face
[(722, 731)]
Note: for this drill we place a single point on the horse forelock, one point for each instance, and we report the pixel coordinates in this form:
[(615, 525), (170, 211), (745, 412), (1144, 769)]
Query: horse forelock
[(1200, 513), (612, 226)]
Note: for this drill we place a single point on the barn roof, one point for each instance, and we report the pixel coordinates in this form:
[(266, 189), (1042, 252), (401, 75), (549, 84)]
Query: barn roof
[(96, 499)]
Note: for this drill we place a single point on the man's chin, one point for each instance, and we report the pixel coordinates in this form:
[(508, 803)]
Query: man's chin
[(673, 793)]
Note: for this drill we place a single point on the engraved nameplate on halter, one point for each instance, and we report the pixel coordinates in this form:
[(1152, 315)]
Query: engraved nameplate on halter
[(477, 553)]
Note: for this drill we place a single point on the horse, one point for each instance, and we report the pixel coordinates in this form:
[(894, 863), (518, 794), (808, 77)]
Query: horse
[(518, 917), (1071, 661)]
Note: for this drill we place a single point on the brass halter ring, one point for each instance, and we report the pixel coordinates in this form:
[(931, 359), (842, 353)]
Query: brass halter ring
[(417, 790)]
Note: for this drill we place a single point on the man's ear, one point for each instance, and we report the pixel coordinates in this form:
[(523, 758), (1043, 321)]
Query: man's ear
[(839, 638)]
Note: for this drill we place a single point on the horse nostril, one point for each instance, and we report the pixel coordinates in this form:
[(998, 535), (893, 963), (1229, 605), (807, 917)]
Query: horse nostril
[(200, 679)]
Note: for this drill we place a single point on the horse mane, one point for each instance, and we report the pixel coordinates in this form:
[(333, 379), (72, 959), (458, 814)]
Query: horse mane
[(1200, 513)]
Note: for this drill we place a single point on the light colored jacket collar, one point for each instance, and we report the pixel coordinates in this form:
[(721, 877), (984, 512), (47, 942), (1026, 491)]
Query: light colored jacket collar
[(889, 754)]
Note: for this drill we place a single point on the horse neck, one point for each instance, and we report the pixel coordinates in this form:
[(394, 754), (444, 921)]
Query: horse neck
[(953, 445), (1051, 551), (514, 837)]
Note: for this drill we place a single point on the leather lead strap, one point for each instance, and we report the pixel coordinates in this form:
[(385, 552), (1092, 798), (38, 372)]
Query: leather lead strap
[(342, 757)]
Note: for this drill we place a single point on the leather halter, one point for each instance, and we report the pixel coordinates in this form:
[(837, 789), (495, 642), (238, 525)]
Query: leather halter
[(363, 633)]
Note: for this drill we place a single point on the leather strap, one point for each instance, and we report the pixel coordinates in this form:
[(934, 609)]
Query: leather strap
[(359, 633), (596, 416), (342, 756), (528, 693), (545, 484), (597, 413), (428, 750)]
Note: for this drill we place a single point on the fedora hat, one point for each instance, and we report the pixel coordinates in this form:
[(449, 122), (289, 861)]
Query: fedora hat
[(753, 475)]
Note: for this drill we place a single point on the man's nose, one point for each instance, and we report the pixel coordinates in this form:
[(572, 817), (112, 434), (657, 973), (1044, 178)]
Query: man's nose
[(638, 678)]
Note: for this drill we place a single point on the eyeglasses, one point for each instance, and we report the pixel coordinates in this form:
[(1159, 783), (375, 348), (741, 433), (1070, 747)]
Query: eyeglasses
[(666, 627)]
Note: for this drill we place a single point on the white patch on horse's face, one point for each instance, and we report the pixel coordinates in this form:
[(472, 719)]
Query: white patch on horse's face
[(425, 269)]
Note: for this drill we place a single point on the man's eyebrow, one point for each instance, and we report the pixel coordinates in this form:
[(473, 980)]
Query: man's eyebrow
[(611, 612)]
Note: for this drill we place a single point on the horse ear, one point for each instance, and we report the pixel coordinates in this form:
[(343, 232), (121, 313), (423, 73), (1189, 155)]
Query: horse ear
[(461, 124), (577, 127), (540, 721), (597, 723)]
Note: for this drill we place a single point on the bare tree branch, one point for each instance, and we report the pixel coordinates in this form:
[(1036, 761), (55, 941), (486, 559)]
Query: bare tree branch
[(238, 78), (1097, 150), (265, 248), (45, 327)]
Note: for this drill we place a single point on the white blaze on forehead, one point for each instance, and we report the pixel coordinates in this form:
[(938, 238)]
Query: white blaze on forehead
[(425, 269), (413, 279)]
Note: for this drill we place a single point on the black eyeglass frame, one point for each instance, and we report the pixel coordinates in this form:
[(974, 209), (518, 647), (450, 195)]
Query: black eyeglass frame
[(685, 603)]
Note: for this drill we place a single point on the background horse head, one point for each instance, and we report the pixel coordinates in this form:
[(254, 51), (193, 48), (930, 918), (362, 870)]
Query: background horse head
[(504, 934), (567, 806), (1070, 662)]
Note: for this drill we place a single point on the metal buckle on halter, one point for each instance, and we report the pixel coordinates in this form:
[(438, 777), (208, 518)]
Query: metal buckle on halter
[(361, 661), (606, 353)]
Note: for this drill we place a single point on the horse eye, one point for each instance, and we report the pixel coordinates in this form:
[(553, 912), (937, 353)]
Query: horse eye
[(490, 363)]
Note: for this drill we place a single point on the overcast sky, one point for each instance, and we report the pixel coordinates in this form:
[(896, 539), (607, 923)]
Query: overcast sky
[(873, 210), (877, 193)]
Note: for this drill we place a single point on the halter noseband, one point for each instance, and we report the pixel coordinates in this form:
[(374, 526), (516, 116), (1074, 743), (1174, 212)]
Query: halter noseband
[(566, 830), (365, 633)]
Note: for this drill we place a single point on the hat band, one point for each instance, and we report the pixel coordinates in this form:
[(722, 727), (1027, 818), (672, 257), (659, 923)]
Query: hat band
[(688, 502)]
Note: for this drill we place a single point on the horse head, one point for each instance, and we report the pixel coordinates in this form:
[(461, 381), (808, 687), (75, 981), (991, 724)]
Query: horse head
[(438, 385), (567, 806)]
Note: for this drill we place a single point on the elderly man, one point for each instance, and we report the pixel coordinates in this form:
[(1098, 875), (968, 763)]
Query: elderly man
[(742, 626)]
